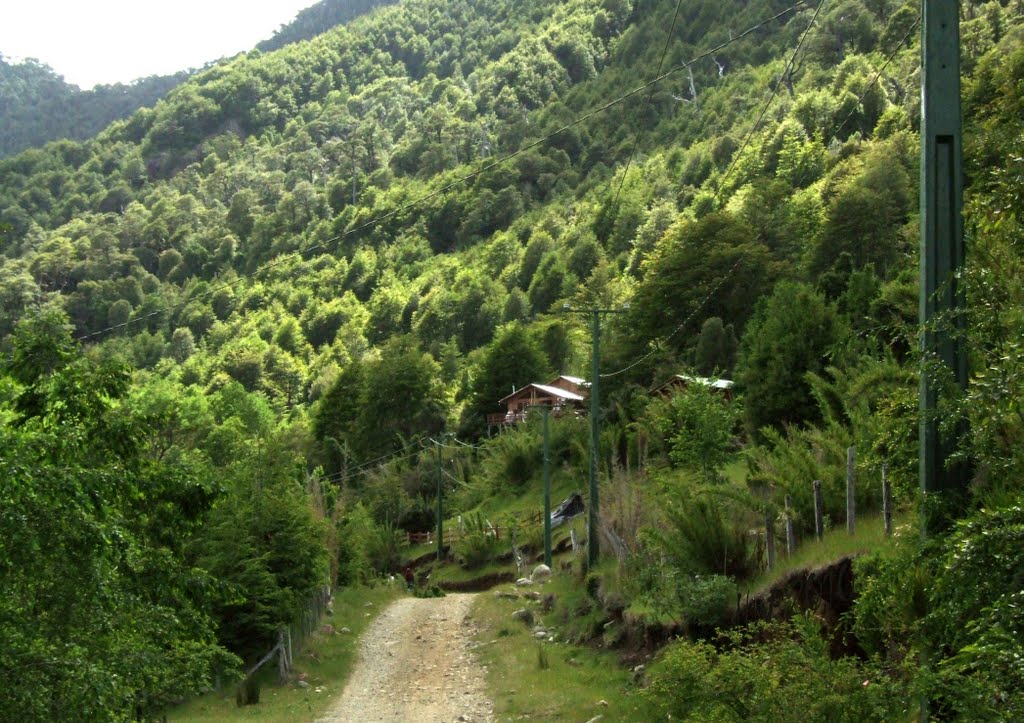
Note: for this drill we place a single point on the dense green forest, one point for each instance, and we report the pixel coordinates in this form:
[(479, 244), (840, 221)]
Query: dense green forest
[(37, 106), (317, 19), (230, 320)]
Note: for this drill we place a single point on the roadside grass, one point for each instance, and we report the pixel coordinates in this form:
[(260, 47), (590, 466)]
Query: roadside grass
[(836, 543), (326, 663), (551, 680)]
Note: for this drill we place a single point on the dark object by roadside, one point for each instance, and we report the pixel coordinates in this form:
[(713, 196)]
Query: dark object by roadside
[(571, 507)]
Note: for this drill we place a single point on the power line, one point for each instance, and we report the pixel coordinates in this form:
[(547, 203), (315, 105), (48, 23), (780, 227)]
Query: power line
[(458, 182), (363, 467), (878, 74), (733, 268), (452, 477), (352, 474), (466, 444), (771, 98), (647, 102)]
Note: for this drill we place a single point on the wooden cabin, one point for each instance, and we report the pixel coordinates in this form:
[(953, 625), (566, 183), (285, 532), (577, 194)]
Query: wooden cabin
[(561, 394), (682, 381)]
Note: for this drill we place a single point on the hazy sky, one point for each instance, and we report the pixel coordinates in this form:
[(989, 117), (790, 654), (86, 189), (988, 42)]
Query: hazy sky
[(109, 41)]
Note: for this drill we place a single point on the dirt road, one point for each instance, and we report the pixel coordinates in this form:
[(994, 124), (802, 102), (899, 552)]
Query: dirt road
[(415, 665)]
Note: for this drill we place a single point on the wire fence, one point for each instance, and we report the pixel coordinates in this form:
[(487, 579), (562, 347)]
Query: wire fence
[(292, 638)]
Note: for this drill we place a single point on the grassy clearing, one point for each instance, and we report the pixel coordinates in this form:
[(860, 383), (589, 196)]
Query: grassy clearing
[(835, 544), (326, 663), (551, 681)]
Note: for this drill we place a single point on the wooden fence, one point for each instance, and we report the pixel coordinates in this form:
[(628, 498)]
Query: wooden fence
[(292, 638), (819, 511)]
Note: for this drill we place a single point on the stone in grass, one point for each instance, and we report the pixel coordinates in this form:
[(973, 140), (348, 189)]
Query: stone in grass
[(541, 635), (532, 595), (506, 595), (524, 582), (541, 573), (524, 615)]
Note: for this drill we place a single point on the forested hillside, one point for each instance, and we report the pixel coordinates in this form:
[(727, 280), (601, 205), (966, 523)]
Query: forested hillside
[(37, 106), (318, 19), (222, 314)]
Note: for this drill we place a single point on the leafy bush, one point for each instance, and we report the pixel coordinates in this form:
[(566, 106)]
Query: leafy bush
[(476, 546), (513, 458), (366, 548), (772, 672), (698, 426), (955, 602), (702, 536)]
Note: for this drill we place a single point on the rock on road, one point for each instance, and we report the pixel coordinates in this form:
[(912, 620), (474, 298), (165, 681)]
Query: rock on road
[(415, 665)]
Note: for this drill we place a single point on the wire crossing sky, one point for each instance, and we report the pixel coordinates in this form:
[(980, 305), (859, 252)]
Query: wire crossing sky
[(93, 42)]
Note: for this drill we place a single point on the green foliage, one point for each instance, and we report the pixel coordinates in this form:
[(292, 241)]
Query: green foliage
[(713, 266), (791, 334), (183, 220), (265, 541), (513, 458), (104, 613), (697, 425), (477, 545), (703, 535), (513, 360), (953, 603), (40, 107), (754, 678), (715, 352)]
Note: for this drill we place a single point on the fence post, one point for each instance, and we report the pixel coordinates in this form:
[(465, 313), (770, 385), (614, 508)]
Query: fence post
[(282, 659), (851, 504), (790, 534), (769, 530), (886, 500), (819, 511)]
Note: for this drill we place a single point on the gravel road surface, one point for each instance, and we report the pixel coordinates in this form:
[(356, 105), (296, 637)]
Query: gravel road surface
[(415, 665)]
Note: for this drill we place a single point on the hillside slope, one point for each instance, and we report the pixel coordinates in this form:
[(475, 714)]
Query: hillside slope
[(37, 106)]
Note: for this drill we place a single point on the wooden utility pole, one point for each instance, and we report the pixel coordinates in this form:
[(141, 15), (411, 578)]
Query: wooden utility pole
[(942, 239)]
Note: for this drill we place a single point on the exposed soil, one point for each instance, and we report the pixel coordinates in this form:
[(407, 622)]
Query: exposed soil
[(827, 591), (415, 664), (477, 584)]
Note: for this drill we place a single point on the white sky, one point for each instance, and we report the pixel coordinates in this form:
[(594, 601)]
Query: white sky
[(110, 41)]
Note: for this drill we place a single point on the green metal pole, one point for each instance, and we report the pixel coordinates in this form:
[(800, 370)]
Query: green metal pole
[(942, 237), (547, 491), (592, 544), (440, 524)]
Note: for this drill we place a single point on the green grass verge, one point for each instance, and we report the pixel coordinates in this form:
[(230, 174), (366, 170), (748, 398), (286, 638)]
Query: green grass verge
[(551, 680), (326, 663), (837, 543)]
